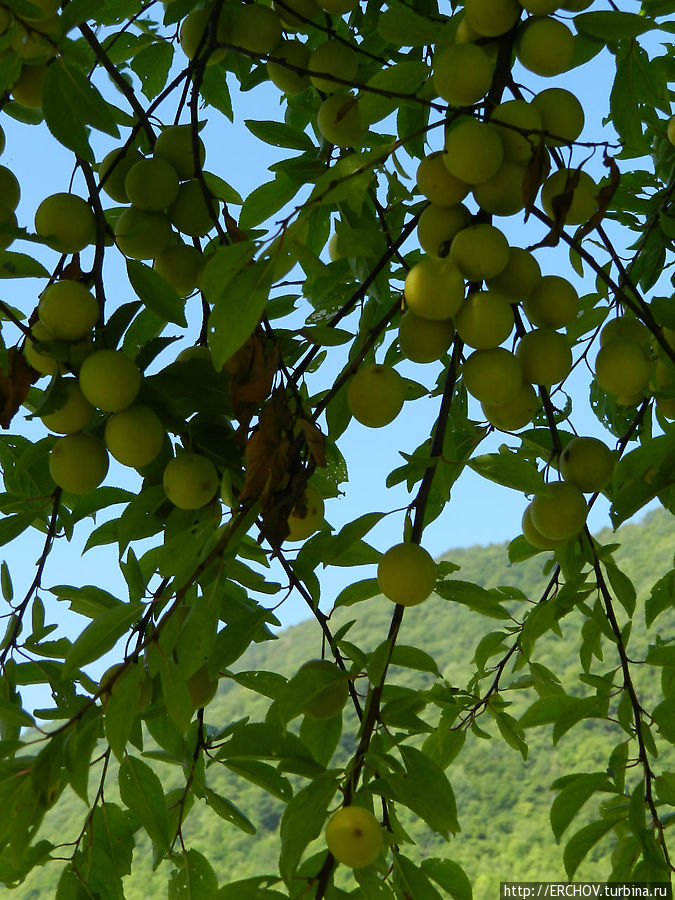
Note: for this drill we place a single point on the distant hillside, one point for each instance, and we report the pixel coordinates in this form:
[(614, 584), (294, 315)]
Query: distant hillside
[(503, 802)]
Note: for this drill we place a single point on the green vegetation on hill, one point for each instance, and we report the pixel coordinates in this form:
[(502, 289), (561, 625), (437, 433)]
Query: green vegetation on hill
[(503, 800)]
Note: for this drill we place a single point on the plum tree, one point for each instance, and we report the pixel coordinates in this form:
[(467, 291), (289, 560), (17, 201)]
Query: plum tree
[(78, 462), (387, 182), (67, 310), (473, 151), (587, 463), (329, 690), (134, 436), (110, 380), (307, 515), (354, 836), (375, 395), (66, 222), (72, 412), (190, 480), (406, 574)]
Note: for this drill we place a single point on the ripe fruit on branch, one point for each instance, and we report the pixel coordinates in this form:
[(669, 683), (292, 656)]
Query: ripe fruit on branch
[(626, 327), (336, 58), (424, 340), (354, 836), (437, 184), (434, 288), (545, 46), (562, 116), (406, 574), (288, 80), (201, 687), (67, 310), (502, 195), (480, 252), (190, 480), (73, 412), (175, 146), (375, 395), (39, 360), (66, 222), (10, 192), (571, 192), (621, 367), (485, 320), (78, 462), (190, 212), (27, 89), (194, 35), (473, 151), (493, 376), (587, 463), (561, 513), (339, 120), (516, 413), (118, 162), (134, 436), (143, 235), (438, 225), (307, 517), (151, 184), (492, 18), (546, 356), (297, 14), (254, 27), (181, 265), (519, 141), (553, 303), (329, 691), (519, 277), (462, 73), (535, 537), (110, 380)]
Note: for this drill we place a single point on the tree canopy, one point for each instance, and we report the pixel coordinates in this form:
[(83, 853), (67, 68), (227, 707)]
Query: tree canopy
[(378, 264)]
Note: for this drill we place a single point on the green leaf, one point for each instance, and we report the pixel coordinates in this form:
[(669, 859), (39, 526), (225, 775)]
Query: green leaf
[(580, 843), (20, 265), (613, 26), (14, 715), (402, 78), (664, 716), (264, 775), (235, 315), (175, 692), (6, 582), (279, 134), (120, 709), (573, 796), (451, 877), (152, 66), (425, 790), (412, 881), (349, 534), (264, 201), (357, 592), (141, 792), (193, 879), (12, 526), (510, 470), (228, 811), (156, 293), (622, 586), (414, 658), (661, 598), (101, 635), (303, 820), (222, 266), (70, 103), (473, 596), (401, 26)]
